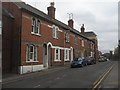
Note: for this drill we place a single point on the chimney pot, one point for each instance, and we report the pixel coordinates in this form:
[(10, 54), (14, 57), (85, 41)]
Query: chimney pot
[(82, 29), (51, 10), (70, 23)]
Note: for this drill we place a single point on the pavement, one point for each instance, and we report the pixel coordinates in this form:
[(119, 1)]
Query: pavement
[(73, 78), (111, 81), (8, 78)]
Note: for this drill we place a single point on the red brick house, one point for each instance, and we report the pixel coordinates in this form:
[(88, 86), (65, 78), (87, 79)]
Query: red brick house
[(38, 41), (91, 35)]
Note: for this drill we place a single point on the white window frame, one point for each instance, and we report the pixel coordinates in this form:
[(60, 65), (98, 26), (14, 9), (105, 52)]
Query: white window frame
[(66, 55), (55, 30), (91, 45), (67, 36), (83, 43), (76, 40), (55, 58), (28, 53), (35, 26)]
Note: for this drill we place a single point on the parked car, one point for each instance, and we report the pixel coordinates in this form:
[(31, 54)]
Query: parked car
[(78, 62), (90, 60), (102, 59)]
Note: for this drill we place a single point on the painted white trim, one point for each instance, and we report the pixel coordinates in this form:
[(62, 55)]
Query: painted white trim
[(49, 26), (68, 56), (57, 60), (62, 48), (31, 61), (83, 43), (25, 16), (30, 68), (59, 54), (37, 34)]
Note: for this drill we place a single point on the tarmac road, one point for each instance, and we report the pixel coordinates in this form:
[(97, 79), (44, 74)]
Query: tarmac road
[(66, 78)]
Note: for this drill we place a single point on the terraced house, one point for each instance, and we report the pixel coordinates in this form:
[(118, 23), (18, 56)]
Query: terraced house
[(33, 40)]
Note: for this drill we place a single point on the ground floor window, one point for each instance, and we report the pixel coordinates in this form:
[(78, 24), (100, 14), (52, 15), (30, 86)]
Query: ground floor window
[(66, 55), (57, 54), (31, 53)]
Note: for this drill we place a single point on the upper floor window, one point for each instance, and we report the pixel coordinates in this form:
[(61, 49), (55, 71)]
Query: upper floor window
[(35, 26), (67, 37), (92, 45), (55, 32), (83, 43), (31, 53), (76, 40)]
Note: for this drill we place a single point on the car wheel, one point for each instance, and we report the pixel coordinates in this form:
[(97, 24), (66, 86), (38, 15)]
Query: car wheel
[(82, 65)]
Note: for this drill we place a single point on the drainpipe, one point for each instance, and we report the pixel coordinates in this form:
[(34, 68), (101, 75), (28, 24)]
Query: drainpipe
[(19, 60), (47, 56), (63, 50), (71, 54)]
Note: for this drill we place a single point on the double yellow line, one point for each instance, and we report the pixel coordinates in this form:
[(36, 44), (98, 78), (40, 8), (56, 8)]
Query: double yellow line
[(101, 78)]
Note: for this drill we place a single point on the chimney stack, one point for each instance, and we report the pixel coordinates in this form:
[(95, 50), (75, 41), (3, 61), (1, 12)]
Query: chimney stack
[(51, 10), (70, 23), (82, 28)]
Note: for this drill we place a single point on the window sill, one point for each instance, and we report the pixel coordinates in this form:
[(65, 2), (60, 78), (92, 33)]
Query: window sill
[(57, 60), (36, 34), (67, 42), (31, 61), (67, 60), (55, 38)]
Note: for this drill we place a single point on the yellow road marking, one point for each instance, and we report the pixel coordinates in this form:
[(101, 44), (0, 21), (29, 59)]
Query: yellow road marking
[(100, 79)]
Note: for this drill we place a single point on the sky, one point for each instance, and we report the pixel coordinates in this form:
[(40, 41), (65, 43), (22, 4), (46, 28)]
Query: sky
[(99, 16)]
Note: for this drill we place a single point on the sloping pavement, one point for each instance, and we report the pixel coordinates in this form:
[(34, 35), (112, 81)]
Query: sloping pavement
[(111, 81), (8, 78)]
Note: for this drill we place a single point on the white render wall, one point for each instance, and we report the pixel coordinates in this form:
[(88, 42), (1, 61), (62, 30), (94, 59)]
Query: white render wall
[(31, 68)]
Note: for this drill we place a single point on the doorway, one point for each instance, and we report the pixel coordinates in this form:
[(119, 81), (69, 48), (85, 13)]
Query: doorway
[(45, 55)]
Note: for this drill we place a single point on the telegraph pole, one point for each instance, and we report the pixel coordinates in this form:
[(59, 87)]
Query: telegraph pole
[(119, 50)]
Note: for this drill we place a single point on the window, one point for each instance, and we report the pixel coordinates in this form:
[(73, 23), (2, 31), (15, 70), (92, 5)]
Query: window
[(35, 26), (66, 55), (91, 45), (76, 40), (67, 37), (57, 54), (31, 53), (82, 43), (55, 31)]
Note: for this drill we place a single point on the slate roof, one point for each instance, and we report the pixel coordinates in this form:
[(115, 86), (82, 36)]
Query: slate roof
[(41, 14), (6, 13), (89, 34)]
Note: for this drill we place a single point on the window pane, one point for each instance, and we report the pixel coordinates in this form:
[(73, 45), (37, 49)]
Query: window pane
[(31, 48), (36, 30), (56, 31), (33, 21), (35, 53), (56, 51), (57, 54), (53, 31), (31, 55)]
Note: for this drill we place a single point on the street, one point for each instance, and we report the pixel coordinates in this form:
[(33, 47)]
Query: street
[(67, 78)]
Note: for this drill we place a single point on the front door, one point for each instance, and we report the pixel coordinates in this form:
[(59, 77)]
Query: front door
[(45, 62)]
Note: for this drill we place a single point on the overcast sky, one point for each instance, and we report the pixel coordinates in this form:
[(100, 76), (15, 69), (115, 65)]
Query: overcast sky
[(99, 16)]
